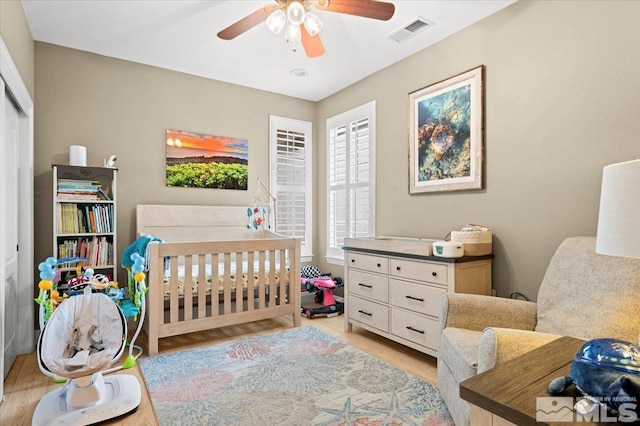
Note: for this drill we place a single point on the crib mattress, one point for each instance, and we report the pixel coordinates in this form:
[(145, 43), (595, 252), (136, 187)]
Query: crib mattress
[(233, 275)]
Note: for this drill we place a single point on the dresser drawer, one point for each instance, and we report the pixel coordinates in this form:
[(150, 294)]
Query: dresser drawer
[(369, 313), (416, 328), (423, 271), (368, 285), (372, 263), (421, 298)]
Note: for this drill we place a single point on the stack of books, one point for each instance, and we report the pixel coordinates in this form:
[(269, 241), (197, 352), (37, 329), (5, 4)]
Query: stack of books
[(77, 189)]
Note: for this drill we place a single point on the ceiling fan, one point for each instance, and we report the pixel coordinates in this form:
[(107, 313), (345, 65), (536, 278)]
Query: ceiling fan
[(301, 23)]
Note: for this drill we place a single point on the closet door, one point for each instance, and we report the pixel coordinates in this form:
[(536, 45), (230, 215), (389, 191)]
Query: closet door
[(9, 202)]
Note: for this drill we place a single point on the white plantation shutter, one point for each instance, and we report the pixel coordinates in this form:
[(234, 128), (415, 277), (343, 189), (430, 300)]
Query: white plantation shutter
[(290, 182), (351, 183)]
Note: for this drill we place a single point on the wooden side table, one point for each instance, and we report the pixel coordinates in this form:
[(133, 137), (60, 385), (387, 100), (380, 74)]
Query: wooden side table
[(506, 394)]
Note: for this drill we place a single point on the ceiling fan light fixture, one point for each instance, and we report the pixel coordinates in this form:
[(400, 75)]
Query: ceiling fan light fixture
[(293, 33), (312, 23), (295, 13), (277, 21)]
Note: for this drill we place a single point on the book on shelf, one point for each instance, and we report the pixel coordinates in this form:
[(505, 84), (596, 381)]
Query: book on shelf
[(98, 250), (103, 194), (75, 219), (75, 189), (77, 196)]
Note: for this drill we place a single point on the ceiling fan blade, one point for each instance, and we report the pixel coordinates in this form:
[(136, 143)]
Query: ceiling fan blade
[(365, 8), (312, 44), (248, 22)]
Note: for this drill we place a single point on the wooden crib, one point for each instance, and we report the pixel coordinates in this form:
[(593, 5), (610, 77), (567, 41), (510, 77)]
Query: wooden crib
[(212, 271)]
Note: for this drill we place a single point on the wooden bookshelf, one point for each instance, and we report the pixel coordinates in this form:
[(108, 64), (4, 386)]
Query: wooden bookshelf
[(84, 219)]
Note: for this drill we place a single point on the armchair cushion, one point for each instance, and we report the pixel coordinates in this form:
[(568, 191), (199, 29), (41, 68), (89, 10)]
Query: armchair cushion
[(476, 312), (498, 345)]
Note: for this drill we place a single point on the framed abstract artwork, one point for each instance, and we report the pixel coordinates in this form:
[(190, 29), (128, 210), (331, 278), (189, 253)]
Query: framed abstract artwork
[(446, 134)]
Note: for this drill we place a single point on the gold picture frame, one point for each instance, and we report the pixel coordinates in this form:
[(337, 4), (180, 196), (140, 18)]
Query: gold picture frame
[(446, 134)]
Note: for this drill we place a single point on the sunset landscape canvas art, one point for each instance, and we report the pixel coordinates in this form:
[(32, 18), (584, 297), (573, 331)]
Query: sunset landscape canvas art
[(196, 160)]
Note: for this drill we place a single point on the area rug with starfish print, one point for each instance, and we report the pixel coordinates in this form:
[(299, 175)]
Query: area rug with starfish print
[(300, 376)]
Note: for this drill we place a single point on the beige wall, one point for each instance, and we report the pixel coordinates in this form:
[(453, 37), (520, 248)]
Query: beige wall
[(17, 36), (123, 108), (562, 91), (561, 102)]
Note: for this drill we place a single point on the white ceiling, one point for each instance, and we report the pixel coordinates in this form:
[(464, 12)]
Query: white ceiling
[(180, 35)]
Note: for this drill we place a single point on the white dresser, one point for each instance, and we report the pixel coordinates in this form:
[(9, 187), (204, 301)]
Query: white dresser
[(396, 295)]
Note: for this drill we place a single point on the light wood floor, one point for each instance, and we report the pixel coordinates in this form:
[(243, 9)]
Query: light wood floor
[(25, 384)]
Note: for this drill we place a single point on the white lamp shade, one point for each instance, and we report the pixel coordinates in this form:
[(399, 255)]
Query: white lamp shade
[(276, 21), (293, 33), (295, 13), (312, 23), (619, 218)]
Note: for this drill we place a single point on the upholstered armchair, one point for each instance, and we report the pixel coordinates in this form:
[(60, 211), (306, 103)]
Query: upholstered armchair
[(583, 294)]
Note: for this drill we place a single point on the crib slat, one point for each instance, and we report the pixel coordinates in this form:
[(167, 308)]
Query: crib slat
[(281, 278), (215, 287), (239, 284), (273, 290), (251, 297), (227, 283), (261, 283), (173, 290), (188, 288)]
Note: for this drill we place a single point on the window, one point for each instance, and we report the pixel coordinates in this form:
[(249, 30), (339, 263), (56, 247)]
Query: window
[(290, 179), (351, 178)]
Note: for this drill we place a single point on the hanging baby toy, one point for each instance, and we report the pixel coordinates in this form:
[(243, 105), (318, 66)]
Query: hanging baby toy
[(48, 293), (259, 211)]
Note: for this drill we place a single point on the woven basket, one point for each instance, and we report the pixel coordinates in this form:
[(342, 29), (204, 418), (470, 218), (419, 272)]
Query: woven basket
[(476, 243)]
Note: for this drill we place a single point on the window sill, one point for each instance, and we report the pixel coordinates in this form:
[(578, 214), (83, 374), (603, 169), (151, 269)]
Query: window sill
[(334, 260)]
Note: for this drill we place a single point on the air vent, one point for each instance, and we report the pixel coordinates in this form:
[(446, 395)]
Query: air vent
[(410, 30)]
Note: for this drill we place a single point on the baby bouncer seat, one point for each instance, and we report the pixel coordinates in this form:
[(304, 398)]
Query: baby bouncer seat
[(81, 339), (85, 335)]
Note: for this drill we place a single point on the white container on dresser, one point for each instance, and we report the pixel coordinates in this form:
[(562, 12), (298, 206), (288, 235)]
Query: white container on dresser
[(396, 294)]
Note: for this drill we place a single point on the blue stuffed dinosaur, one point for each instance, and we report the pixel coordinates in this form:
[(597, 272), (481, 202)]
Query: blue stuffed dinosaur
[(606, 371)]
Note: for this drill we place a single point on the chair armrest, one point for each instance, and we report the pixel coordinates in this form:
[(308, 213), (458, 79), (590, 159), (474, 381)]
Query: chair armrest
[(498, 345), (477, 312)]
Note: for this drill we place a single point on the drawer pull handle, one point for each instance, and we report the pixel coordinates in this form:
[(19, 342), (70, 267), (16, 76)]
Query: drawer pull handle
[(419, 299), (379, 265), (365, 285), (414, 329), (353, 260), (397, 268), (435, 274), (366, 313)]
